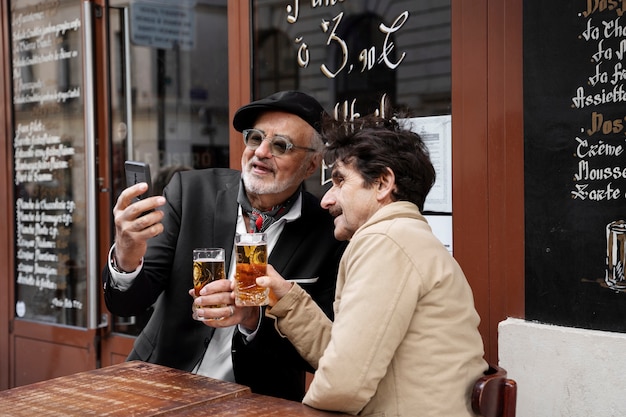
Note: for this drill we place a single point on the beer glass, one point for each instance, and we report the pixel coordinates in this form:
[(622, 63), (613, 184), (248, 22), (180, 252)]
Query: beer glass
[(616, 255), (208, 265), (251, 250)]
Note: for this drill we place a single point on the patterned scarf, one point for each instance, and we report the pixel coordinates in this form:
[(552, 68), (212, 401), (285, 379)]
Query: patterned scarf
[(261, 220)]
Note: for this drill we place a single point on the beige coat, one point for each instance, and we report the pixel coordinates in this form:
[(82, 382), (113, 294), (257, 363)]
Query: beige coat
[(405, 340)]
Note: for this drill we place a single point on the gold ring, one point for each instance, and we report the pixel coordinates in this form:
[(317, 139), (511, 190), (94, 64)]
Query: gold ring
[(232, 310)]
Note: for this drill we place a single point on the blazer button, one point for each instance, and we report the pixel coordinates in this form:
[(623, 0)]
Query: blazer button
[(206, 342)]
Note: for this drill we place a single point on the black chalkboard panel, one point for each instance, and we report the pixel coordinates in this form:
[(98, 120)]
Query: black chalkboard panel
[(575, 162)]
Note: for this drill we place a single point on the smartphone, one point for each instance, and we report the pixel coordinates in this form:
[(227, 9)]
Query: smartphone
[(137, 172)]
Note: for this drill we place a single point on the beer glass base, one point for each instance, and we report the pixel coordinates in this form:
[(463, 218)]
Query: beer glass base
[(616, 285), (209, 319), (251, 302)]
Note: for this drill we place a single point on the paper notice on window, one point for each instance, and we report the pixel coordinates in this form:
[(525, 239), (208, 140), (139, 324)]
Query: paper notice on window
[(436, 132)]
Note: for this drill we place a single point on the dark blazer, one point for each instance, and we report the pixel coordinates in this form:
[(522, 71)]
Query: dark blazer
[(201, 211)]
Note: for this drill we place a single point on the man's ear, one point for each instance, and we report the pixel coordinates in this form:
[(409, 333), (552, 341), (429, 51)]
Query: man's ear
[(313, 164), (386, 186)]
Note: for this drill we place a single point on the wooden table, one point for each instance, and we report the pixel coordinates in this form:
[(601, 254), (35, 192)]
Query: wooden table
[(143, 389)]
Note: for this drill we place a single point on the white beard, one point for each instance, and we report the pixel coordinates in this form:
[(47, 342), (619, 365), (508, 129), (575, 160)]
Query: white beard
[(259, 186)]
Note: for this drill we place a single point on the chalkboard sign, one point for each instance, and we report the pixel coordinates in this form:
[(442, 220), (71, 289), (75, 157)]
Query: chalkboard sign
[(575, 162), (49, 161)]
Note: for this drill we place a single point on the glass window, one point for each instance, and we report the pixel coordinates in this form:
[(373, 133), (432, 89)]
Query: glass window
[(348, 54), (50, 162), (276, 68), (169, 92)]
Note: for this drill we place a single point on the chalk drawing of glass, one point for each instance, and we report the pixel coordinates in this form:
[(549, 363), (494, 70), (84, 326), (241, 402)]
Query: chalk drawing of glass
[(615, 255)]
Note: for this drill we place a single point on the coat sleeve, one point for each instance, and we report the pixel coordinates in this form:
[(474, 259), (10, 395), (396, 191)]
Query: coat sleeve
[(303, 322), (372, 314)]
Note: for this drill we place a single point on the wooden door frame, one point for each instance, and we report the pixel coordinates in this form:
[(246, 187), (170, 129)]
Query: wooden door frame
[(31, 350), (117, 346), (114, 347), (488, 158), (6, 222), (239, 70)]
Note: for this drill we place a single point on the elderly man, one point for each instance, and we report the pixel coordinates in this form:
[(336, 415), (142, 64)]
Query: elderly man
[(405, 340), (151, 259)]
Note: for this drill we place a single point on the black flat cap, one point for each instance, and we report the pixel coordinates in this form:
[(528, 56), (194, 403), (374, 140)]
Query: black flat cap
[(294, 102)]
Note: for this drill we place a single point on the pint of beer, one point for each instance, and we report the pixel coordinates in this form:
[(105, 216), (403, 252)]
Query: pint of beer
[(251, 250), (616, 255), (208, 265)]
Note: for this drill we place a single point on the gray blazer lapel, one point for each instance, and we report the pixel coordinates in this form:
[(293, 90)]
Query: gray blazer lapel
[(290, 240), (226, 219)]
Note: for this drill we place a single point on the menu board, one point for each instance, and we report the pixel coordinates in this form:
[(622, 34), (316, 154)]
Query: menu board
[(575, 162), (49, 161)]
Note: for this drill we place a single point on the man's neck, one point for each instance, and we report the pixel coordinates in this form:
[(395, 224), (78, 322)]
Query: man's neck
[(265, 202)]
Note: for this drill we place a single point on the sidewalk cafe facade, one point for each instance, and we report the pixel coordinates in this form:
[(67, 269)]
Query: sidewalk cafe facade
[(520, 102)]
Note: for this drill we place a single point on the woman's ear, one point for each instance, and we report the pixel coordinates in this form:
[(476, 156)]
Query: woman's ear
[(386, 186)]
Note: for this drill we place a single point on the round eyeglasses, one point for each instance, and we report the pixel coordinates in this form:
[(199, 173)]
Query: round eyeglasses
[(279, 145)]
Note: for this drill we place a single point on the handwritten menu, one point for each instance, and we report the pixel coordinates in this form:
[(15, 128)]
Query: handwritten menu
[(600, 172), (575, 162), (48, 161)]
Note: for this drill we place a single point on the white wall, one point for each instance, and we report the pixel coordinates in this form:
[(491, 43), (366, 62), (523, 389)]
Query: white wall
[(562, 371)]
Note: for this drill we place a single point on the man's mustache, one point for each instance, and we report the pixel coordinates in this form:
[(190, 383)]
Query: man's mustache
[(267, 162), (335, 211)]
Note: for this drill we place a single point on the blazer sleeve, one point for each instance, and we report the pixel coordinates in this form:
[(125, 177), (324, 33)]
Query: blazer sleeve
[(201, 211), (152, 278)]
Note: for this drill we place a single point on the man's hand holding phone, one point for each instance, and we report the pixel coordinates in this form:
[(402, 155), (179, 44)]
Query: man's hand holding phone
[(136, 220)]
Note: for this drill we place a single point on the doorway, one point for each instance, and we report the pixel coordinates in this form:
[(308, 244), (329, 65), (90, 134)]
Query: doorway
[(168, 105), (96, 83)]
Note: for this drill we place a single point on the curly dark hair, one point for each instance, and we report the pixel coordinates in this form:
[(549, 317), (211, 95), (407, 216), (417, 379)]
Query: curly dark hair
[(371, 144)]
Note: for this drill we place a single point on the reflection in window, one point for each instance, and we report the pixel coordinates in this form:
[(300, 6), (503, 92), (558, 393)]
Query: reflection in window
[(169, 93), (360, 32), (276, 68), (347, 54)]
